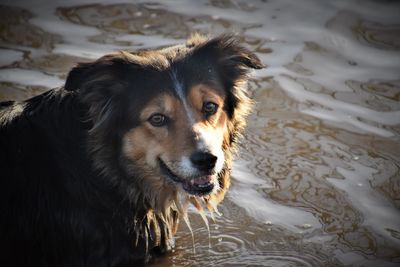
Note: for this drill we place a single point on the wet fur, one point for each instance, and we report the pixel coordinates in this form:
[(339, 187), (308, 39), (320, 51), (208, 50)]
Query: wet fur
[(69, 194)]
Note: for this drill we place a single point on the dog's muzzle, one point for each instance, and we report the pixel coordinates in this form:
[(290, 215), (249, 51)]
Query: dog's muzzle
[(200, 185)]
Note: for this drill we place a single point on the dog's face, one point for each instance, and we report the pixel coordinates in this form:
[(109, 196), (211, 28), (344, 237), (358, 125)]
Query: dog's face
[(180, 137), (169, 116)]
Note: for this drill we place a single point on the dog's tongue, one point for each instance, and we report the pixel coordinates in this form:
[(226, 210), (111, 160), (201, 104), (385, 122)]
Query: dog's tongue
[(201, 180), (199, 183)]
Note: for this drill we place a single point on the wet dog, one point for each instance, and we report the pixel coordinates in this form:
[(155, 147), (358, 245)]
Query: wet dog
[(98, 173)]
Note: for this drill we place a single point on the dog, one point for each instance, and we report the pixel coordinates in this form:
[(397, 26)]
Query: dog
[(99, 171)]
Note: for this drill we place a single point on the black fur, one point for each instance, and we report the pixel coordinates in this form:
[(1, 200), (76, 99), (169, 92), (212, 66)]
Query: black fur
[(63, 177)]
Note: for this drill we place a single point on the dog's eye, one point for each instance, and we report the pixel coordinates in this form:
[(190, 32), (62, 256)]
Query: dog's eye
[(210, 108), (158, 120)]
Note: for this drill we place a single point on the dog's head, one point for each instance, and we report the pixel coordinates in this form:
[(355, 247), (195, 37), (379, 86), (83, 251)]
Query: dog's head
[(168, 117)]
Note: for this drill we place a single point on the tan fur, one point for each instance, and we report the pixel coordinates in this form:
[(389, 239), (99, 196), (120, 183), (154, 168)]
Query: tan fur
[(144, 144), (196, 39)]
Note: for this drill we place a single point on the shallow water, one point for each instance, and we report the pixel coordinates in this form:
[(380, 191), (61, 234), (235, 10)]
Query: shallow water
[(317, 180)]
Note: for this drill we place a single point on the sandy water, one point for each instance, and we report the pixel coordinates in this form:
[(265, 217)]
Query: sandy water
[(317, 180)]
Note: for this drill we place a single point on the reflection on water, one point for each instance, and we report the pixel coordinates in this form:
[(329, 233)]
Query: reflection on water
[(317, 182), (141, 19)]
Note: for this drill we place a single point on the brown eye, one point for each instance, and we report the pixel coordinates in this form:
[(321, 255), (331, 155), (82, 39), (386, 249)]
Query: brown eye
[(158, 120), (209, 108)]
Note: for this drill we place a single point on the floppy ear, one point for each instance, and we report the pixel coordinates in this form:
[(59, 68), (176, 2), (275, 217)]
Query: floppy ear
[(232, 59), (76, 76), (235, 55), (99, 86), (106, 66)]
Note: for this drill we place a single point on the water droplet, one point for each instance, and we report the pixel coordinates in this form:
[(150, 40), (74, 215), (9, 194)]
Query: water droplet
[(306, 226), (268, 222), (186, 220)]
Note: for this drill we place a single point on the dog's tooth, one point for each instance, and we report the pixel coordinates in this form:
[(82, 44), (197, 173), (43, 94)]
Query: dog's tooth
[(192, 182)]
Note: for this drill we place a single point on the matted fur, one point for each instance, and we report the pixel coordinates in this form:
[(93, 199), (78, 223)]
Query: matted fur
[(70, 194)]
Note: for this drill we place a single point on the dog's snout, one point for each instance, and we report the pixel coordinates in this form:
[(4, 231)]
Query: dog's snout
[(203, 160)]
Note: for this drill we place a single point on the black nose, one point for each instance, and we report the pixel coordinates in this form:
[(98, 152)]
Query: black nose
[(203, 160)]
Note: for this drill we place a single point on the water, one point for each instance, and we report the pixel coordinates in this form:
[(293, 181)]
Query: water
[(317, 180)]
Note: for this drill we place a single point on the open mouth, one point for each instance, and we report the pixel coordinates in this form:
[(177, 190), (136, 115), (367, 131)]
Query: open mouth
[(200, 186)]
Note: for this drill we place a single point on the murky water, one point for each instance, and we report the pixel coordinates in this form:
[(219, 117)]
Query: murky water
[(317, 182)]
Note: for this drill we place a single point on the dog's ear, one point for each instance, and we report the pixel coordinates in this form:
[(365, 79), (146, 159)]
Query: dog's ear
[(233, 60), (76, 76), (234, 54), (105, 67), (100, 86)]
